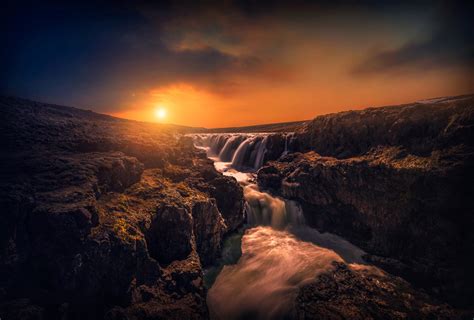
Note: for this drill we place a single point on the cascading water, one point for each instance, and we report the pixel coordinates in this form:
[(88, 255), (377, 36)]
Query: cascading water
[(279, 252), (244, 151), (263, 209), (229, 148), (288, 138)]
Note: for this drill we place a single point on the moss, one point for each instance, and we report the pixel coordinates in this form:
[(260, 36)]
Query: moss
[(125, 231)]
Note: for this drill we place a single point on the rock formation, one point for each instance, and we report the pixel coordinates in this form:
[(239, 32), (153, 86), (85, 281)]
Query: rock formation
[(362, 293), (105, 218), (397, 181)]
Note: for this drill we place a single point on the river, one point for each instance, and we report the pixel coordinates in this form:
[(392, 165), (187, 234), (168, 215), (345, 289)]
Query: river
[(275, 253)]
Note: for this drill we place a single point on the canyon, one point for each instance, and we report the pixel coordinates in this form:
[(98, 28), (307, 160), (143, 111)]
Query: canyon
[(360, 214)]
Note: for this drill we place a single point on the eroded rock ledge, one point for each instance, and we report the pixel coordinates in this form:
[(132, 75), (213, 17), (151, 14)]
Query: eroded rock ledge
[(396, 181), (106, 218)]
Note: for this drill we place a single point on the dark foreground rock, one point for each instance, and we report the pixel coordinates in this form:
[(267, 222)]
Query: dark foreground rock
[(105, 218), (366, 293), (396, 181)]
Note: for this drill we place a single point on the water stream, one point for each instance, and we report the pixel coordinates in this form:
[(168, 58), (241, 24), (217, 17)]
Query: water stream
[(263, 265)]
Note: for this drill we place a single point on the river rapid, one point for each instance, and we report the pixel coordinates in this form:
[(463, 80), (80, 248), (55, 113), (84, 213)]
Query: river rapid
[(263, 266)]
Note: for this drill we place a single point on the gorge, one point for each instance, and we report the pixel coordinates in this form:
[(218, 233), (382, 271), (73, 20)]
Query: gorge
[(359, 214), (275, 260), (280, 253)]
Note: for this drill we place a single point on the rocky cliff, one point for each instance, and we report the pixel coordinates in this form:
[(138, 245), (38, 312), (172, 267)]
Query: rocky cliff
[(105, 218), (397, 181)]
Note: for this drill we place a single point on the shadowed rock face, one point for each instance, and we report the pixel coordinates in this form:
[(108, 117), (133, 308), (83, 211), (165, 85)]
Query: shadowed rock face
[(397, 181), (209, 228), (105, 218), (417, 128), (171, 227), (347, 293)]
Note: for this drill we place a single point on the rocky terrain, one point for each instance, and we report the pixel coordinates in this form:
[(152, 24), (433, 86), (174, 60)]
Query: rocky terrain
[(396, 181), (105, 218), (360, 293)]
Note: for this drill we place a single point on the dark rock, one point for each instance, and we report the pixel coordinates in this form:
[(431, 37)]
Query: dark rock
[(347, 293), (400, 190), (169, 235), (209, 229), (230, 200), (22, 309), (103, 217), (418, 128), (275, 146)]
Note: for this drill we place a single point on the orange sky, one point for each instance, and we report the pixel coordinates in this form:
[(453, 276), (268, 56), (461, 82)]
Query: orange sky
[(305, 67), (237, 63), (256, 101), (259, 103)]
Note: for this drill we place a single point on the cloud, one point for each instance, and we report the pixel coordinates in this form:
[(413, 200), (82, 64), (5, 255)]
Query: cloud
[(92, 56), (107, 56), (451, 44), (149, 66)]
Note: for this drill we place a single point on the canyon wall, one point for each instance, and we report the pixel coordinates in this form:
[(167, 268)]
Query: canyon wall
[(397, 181), (106, 218)]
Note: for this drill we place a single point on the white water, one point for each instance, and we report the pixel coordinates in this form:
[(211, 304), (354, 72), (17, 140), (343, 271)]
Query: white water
[(279, 252), (242, 151), (264, 209)]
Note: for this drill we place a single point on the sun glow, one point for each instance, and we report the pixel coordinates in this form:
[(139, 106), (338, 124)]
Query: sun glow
[(160, 113)]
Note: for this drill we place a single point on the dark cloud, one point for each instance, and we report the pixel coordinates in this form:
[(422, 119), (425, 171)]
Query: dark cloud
[(450, 44), (147, 67), (97, 55)]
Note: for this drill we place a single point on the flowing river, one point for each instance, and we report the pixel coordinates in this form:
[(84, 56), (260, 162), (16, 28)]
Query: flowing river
[(263, 266)]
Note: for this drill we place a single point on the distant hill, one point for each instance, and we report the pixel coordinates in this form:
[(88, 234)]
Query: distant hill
[(271, 127), (52, 113)]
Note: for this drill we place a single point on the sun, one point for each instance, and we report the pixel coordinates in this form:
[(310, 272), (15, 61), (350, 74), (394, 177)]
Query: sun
[(160, 113)]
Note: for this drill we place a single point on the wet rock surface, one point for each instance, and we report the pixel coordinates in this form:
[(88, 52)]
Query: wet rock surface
[(396, 181), (105, 218)]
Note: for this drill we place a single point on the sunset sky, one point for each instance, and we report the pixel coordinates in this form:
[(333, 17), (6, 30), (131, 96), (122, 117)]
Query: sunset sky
[(235, 63)]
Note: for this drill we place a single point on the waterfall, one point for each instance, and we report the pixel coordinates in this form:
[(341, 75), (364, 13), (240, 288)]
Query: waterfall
[(286, 145), (211, 143), (260, 153), (244, 151), (288, 139), (279, 253), (239, 155), (264, 209), (229, 148)]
